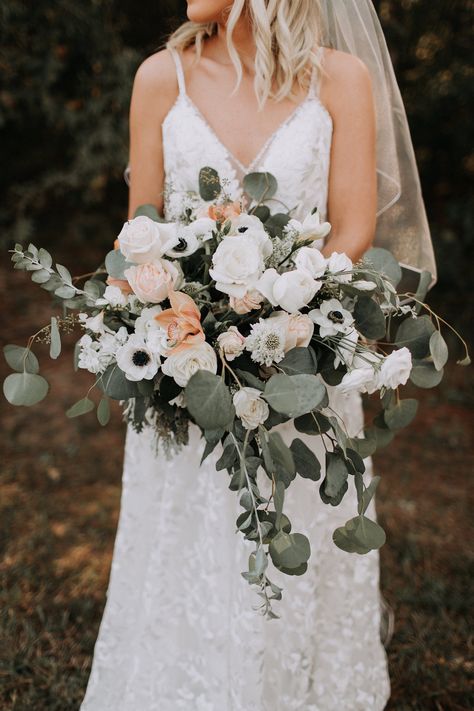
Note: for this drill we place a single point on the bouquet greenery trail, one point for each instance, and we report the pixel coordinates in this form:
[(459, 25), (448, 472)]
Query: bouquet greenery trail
[(231, 318)]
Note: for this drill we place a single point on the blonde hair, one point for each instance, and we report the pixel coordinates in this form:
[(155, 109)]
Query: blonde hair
[(286, 34)]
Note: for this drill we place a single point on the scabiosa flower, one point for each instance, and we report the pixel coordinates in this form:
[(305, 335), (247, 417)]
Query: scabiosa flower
[(137, 360), (266, 342), (332, 318)]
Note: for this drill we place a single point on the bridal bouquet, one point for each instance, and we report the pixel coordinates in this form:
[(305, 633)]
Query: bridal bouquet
[(231, 318)]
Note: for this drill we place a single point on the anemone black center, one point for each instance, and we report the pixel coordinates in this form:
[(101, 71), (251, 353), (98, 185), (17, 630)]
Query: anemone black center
[(140, 358), (336, 316), (181, 246), (242, 229)]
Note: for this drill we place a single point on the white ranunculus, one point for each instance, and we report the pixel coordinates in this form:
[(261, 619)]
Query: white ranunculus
[(238, 262), (340, 267), (291, 290), (310, 260), (182, 365), (136, 359), (332, 318), (395, 369), (150, 282), (143, 240), (232, 343), (250, 407), (311, 227)]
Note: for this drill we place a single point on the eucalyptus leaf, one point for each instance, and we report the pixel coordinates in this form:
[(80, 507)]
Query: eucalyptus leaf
[(276, 223), (425, 375), (25, 388), (314, 423), (369, 493), (103, 411), (55, 344), (334, 484), (415, 334), (384, 263), (289, 550), (299, 360), (438, 350), (209, 400), (64, 273), (228, 457), (262, 212), (278, 501), (65, 292), (115, 264), (114, 384), (148, 210), (81, 407), (284, 466), (369, 318), (260, 186), (250, 379), (20, 358), (401, 413), (294, 395), (364, 446), (306, 463), (41, 276), (45, 258), (209, 184)]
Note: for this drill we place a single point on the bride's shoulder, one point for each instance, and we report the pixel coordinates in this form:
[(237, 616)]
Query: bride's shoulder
[(345, 79), (155, 80)]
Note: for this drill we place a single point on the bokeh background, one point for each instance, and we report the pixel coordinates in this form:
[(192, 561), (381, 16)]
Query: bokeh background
[(66, 72)]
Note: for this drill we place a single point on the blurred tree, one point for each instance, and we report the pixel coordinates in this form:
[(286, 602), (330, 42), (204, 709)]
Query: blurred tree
[(67, 71)]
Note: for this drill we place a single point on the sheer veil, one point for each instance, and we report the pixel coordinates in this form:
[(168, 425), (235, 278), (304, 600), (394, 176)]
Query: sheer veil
[(402, 226)]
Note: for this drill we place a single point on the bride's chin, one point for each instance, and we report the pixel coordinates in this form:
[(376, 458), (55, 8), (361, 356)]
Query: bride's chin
[(207, 10)]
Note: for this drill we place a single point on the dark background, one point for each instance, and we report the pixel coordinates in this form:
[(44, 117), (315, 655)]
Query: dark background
[(66, 72)]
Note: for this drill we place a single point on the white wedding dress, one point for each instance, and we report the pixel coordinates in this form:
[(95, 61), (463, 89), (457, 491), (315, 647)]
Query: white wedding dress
[(179, 632)]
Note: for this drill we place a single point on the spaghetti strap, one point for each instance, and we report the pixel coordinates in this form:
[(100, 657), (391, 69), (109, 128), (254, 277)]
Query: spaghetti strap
[(179, 70)]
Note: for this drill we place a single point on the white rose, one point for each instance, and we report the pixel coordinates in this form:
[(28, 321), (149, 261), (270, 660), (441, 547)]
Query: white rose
[(364, 374), (291, 290), (395, 369), (150, 282), (298, 329), (142, 240), (311, 260), (232, 343), (250, 407), (340, 267), (182, 365), (311, 227), (238, 263)]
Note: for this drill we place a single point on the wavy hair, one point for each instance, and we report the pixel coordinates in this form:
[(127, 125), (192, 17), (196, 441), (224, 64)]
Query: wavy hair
[(286, 34)]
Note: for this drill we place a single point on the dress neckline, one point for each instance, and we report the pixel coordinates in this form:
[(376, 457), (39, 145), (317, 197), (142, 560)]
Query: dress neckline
[(183, 95)]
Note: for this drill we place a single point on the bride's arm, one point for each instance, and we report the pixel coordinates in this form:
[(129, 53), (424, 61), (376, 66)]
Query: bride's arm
[(346, 91), (154, 92)]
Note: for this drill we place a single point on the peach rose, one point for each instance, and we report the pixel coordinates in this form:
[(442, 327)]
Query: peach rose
[(221, 213), (150, 282), (182, 322), (298, 329), (247, 303)]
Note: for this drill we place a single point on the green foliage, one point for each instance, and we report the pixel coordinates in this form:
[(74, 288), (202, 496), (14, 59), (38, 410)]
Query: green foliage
[(209, 401)]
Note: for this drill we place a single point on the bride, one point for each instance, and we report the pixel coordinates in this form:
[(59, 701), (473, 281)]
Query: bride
[(249, 85)]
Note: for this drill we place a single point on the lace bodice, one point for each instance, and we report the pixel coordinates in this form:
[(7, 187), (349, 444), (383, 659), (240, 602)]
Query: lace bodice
[(297, 154)]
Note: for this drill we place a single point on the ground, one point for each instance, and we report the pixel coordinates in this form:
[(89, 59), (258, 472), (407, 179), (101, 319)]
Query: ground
[(60, 495)]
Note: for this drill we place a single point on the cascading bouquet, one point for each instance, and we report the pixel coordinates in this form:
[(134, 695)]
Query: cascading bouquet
[(232, 319)]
